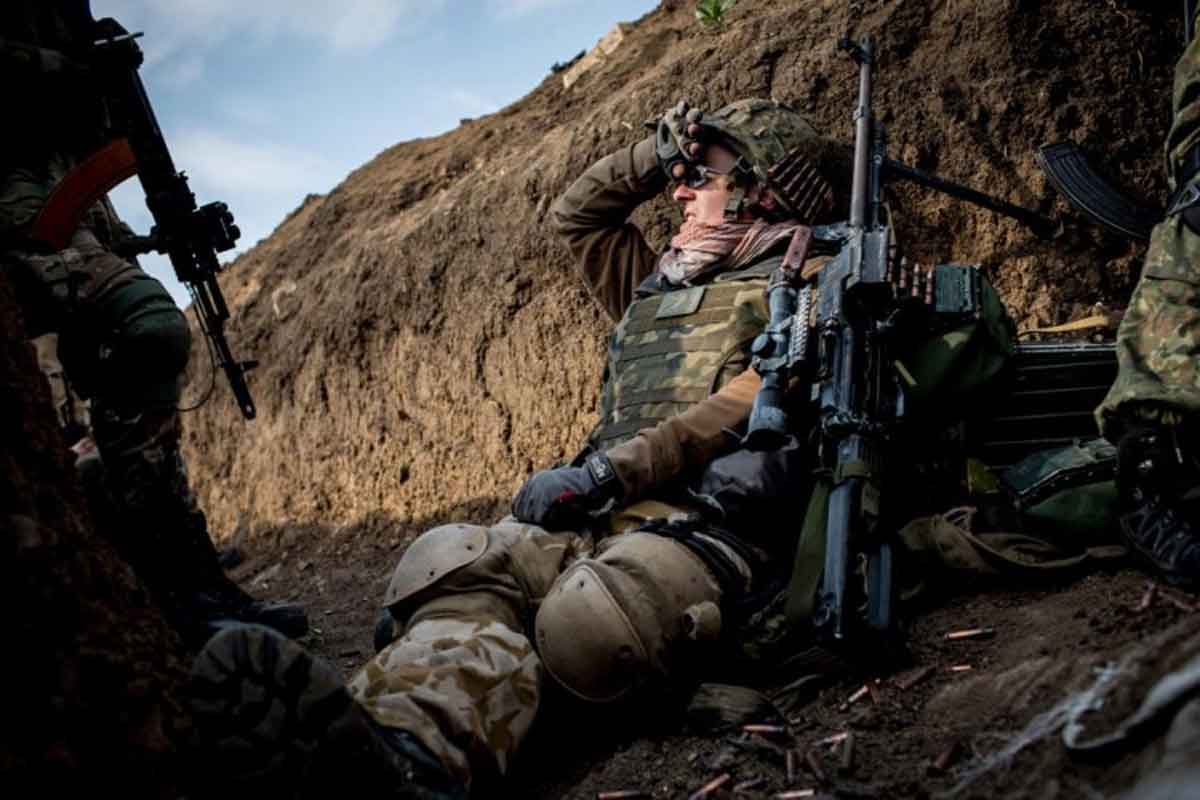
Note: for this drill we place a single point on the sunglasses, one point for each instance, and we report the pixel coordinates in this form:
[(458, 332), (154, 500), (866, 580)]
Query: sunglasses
[(695, 176)]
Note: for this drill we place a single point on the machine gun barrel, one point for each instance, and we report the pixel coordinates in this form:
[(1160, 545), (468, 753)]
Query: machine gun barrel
[(855, 293), (864, 54)]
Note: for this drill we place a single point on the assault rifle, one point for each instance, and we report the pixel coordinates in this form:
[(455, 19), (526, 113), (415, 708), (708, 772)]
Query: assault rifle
[(848, 358), (190, 236)]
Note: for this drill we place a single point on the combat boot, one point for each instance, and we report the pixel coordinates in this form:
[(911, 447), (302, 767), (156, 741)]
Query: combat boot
[(146, 501), (272, 720), (211, 596), (1160, 488)]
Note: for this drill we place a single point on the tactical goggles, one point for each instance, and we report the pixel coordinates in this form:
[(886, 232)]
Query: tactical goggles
[(696, 176)]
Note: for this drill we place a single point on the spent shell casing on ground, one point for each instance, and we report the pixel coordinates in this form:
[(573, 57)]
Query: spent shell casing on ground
[(854, 698), (833, 740), (814, 765), (765, 730), (906, 682), (710, 787), (750, 785), (623, 794), (795, 794), (1148, 596), (846, 764), (972, 633), (961, 668), (946, 757)]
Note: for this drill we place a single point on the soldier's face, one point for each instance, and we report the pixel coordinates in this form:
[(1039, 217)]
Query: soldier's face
[(705, 204)]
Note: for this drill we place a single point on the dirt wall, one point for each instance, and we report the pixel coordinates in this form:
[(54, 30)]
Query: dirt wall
[(424, 343)]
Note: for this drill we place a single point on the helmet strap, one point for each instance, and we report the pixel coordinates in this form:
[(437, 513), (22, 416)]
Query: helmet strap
[(735, 204), (744, 178)]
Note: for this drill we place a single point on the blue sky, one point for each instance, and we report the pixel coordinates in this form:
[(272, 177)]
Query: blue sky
[(265, 101)]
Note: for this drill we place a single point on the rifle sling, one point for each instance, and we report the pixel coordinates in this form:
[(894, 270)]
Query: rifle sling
[(810, 557)]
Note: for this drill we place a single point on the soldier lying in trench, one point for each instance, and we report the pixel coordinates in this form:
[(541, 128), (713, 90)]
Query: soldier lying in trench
[(482, 617)]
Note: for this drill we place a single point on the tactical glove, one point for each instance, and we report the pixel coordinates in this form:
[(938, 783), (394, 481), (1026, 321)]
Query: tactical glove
[(562, 498), (678, 139)]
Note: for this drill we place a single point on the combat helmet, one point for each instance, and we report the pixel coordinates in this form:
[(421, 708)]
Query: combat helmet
[(779, 149)]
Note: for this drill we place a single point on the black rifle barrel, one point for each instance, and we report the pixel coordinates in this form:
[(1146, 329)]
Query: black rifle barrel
[(181, 229), (1043, 226), (863, 122)]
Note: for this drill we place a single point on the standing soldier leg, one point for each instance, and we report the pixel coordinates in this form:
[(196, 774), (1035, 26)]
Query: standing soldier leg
[(1153, 408), (124, 344)]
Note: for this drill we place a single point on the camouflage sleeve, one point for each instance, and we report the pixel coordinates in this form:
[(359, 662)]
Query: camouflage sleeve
[(1185, 127), (685, 441), (592, 217)]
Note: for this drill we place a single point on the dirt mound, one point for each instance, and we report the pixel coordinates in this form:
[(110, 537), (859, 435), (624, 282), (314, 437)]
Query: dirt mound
[(424, 342), (91, 671)]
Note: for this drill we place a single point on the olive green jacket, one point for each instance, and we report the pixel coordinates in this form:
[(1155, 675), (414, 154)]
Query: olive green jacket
[(613, 258)]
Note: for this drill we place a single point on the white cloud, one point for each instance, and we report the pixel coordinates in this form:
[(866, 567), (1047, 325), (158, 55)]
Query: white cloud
[(516, 8), (228, 165), (187, 30), (248, 111)]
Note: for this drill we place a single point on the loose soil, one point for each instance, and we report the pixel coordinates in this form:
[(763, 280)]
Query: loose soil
[(425, 346)]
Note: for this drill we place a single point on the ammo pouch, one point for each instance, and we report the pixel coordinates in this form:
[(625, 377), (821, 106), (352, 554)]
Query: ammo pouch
[(943, 370), (46, 285), (1068, 491)]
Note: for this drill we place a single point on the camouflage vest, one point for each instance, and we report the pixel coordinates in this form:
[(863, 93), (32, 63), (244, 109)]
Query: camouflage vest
[(674, 348)]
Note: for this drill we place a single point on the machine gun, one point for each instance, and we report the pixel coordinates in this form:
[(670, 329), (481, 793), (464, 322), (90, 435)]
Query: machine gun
[(840, 334), (189, 235)]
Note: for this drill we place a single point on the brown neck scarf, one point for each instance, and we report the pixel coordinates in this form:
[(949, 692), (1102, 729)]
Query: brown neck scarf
[(699, 250)]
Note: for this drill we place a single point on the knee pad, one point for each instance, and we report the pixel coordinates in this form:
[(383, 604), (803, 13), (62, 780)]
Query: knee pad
[(432, 557), (133, 347), (612, 623), (151, 341)]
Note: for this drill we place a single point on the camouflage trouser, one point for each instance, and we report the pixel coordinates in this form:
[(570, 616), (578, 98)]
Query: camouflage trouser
[(465, 678), (1158, 343), (123, 344), (76, 299)]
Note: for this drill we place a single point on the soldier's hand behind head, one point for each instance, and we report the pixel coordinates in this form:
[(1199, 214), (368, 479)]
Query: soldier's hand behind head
[(679, 139)]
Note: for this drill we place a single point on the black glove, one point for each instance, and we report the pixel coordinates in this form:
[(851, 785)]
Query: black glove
[(678, 140), (561, 498)]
